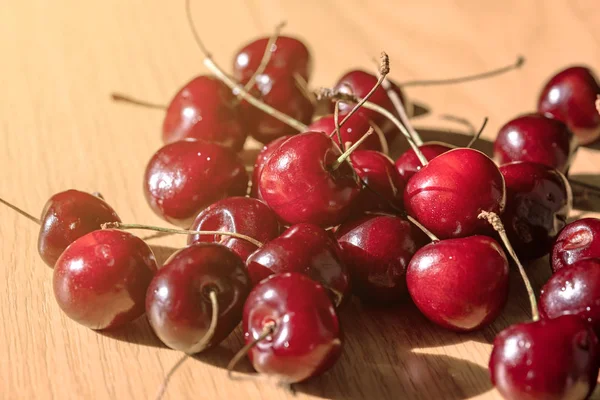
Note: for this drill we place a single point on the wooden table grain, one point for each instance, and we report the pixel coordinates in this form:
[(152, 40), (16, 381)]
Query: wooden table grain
[(60, 130)]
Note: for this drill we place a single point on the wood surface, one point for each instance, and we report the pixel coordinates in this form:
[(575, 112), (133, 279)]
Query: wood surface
[(60, 130)]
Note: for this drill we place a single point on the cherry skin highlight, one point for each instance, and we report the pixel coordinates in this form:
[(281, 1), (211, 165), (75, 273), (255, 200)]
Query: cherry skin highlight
[(448, 194), (307, 249), (261, 159), (245, 215), (538, 202), (184, 177), (569, 96), (408, 163), (548, 359), (352, 130), (68, 216), (178, 304), (460, 284), (100, 280), (204, 109), (578, 240), (306, 339)]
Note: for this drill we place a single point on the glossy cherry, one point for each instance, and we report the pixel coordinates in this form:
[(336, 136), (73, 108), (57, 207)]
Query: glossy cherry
[(100, 280), (377, 250), (460, 284), (68, 216), (245, 215), (548, 359), (204, 109), (408, 163), (352, 130), (184, 177), (578, 240), (299, 183), (307, 249), (569, 96), (261, 159), (535, 138), (448, 194), (305, 338), (178, 305), (538, 202)]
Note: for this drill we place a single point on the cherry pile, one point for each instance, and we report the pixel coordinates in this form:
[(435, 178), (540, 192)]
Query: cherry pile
[(326, 214)]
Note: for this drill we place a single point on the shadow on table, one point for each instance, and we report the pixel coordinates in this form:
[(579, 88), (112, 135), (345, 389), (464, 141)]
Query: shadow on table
[(586, 198)]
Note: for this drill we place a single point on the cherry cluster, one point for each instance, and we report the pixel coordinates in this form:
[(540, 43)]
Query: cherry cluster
[(327, 214)]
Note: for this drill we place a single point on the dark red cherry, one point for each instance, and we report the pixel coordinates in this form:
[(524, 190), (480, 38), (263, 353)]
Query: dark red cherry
[(178, 305), (578, 240), (385, 185), (574, 290), (448, 194), (288, 56), (306, 339), (300, 184), (68, 216), (352, 130), (377, 250), (460, 284), (184, 177), (550, 359), (535, 138), (204, 109), (569, 96), (261, 159), (100, 280), (408, 163), (538, 202), (307, 249), (245, 215)]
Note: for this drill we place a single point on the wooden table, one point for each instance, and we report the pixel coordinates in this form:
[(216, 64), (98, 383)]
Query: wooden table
[(59, 130)]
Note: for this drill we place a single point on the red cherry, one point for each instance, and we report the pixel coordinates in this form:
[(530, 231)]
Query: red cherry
[(569, 96), (300, 184), (538, 202), (377, 250), (204, 109), (184, 177), (243, 215), (288, 56), (261, 159), (178, 305), (408, 163), (304, 337), (449, 193), (460, 284), (535, 138), (353, 129), (100, 280), (546, 359), (578, 240), (307, 249)]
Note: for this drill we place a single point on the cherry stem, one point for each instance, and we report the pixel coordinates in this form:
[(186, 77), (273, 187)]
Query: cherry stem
[(22, 212), (119, 225), (268, 329), (421, 227), (350, 150), (235, 86), (127, 99), (479, 132), (163, 387), (336, 121), (401, 110), (496, 223), (384, 144), (266, 55), (449, 81), (303, 86)]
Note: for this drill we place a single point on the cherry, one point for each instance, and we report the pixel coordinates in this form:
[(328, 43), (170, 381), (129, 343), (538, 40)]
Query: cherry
[(460, 284), (538, 202), (261, 159), (377, 250), (352, 130), (569, 96), (184, 177), (449, 193), (243, 215), (546, 359), (578, 240), (180, 302), (307, 249), (408, 163), (303, 181), (535, 138), (100, 280), (292, 328)]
